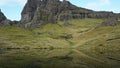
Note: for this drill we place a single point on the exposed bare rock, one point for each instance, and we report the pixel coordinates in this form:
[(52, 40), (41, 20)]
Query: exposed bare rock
[(3, 20), (2, 17), (39, 12), (110, 22), (101, 14), (6, 22)]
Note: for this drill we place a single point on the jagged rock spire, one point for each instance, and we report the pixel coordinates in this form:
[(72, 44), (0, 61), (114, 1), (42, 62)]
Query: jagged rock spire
[(2, 16), (38, 12)]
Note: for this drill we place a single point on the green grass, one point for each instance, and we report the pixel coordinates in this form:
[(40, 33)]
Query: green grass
[(49, 35), (80, 32), (97, 46), (102, 43)]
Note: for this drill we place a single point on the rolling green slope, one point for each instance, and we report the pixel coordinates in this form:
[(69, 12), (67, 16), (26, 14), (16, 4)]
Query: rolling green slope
[(75, 34), (91, 46)]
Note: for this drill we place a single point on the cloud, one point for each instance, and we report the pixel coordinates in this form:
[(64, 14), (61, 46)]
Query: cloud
[(98, 3), (12, 2), (105, 2)]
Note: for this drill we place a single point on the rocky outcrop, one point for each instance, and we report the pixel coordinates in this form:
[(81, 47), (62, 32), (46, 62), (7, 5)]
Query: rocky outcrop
[(110, 22), (39, 12), (3, 20), (2, 17), (101, 14)]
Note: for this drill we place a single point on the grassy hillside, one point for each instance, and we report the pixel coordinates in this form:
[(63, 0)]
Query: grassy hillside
[(95, 46), (76, 33), (48, 36)]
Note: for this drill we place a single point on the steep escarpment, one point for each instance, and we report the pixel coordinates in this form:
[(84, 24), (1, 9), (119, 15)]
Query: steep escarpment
[(2, 17), (39, 12), (3, 20)]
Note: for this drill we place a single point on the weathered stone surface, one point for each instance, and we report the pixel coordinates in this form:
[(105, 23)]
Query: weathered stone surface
[(39, 12), (2, 17), (3, 20), (6, 22), (110, 22), (101, 14)]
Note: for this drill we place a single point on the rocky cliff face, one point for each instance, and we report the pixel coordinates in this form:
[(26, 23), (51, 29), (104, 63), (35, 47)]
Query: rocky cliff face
[(3, 20), (2, 17), (110, 22), (38, 12)]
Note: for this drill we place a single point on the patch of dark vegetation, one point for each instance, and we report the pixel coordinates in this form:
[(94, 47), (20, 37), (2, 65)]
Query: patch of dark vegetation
[(101, 52), (20, 36), (13, 48), (48, 48), (59, 25), (51, 47), (42, 48), (113, 39), (100, 44), (66, 58), (18, 59), (14, 23), (26, 48), (66, 36), (70, 42), (2, 43), (32, 65), (66, 23), (38, 33), (49, 33), (112, 58)]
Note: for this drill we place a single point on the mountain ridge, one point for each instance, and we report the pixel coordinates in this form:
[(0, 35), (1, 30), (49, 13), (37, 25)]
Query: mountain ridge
[(38, 12)]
